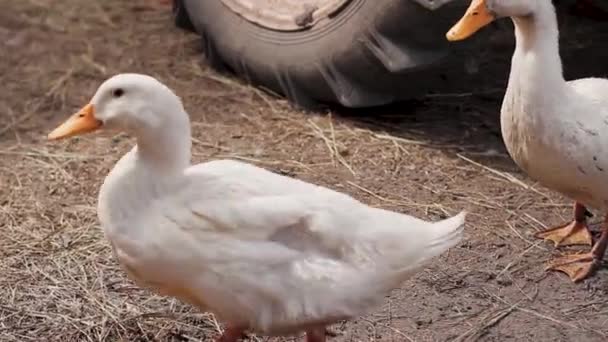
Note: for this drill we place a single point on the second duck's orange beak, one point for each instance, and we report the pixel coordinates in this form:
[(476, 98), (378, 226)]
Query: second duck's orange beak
[(83, 121), (476, 17)]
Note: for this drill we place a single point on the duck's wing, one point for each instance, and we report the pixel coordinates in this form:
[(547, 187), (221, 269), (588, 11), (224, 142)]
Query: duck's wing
[(227, 178), (312, 223), (324, 224), (248, 203), (594, 88)]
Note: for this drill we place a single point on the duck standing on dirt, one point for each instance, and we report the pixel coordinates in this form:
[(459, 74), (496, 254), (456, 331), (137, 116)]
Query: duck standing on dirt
[(556, 131), (261, 251)]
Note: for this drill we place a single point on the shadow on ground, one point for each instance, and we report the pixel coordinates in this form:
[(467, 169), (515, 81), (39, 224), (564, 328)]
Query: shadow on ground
[(465, 118)]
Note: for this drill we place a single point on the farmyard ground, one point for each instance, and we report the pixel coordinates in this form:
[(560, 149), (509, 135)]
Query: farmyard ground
[(431, 158)]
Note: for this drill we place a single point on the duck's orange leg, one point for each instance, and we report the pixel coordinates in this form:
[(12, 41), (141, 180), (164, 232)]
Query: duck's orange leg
[(581, 266), (573, 233)]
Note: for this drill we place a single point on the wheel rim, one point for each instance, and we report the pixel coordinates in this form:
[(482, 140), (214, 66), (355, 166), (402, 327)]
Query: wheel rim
[(285, 15)]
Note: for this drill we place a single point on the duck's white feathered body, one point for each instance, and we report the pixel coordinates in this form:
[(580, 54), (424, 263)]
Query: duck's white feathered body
[(262, 251), (556, 131), (258, 249)]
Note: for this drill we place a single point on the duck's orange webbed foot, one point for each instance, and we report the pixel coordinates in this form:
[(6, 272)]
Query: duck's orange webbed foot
[(576, 266), (581, 266), (573, 233)]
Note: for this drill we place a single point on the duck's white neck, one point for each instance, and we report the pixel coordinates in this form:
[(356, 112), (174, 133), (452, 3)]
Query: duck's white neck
[(153, 166), (536, 69), (166, 150)]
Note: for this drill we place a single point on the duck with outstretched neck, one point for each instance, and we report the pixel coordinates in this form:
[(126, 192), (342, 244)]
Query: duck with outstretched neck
[(555, 130)]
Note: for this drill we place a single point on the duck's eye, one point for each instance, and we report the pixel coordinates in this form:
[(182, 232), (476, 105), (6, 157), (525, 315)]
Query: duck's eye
[(118, 92)]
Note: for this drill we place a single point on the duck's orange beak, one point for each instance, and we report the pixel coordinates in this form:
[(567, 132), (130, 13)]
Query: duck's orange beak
[(476, 17), (83, 121)]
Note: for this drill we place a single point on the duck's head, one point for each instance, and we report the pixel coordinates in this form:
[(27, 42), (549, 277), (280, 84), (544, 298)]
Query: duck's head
[(482, 12), (131, 103)]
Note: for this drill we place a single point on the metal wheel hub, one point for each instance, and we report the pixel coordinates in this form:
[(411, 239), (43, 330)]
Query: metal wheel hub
[(285, 15)]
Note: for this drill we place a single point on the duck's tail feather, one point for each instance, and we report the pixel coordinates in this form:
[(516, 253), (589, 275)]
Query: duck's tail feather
[(440, 236), (446, 234)]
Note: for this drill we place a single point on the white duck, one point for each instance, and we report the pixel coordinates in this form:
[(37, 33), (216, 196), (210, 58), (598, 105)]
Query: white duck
[(261, 251), (556, 131)]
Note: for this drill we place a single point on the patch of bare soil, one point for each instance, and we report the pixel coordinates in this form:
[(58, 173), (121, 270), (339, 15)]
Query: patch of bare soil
[(430, 158)]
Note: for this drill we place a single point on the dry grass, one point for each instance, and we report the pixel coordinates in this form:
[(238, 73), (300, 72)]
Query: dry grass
[(59, 281)]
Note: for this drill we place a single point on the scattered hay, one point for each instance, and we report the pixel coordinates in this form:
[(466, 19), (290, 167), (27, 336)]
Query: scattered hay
[(59, 281)]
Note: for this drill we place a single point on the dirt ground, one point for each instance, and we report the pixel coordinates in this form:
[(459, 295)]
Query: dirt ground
[(429, 158)]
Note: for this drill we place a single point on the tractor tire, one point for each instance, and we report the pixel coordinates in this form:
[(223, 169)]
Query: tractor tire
[(373, 52)]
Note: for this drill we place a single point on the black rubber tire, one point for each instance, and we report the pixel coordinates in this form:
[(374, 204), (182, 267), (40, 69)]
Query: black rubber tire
[(182, 19), (372, 53)]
